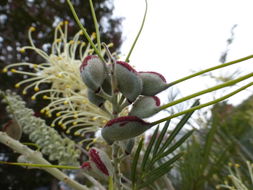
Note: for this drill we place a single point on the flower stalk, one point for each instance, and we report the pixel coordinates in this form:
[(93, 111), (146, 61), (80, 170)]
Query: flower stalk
[(138, 34), (84, 30), (95, 24)]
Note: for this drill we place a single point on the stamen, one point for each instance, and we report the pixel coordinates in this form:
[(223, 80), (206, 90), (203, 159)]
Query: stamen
[(32, 29), (22, 50)]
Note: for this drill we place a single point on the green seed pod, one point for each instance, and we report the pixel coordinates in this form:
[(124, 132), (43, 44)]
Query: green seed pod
[(94, 98), (128, 81), (145, 106), (93, 72), (153, 83), (123, 128), (100, 163)]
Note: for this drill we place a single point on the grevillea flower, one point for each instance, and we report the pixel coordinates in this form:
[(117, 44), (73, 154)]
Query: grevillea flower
[(50, 142), (68, 94)]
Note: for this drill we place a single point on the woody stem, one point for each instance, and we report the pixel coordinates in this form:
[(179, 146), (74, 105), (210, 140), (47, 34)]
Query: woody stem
[(36, 158)]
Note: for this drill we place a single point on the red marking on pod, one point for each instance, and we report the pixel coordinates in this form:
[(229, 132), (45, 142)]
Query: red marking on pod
[(125, 120), (157, 100), (86, 165), (85, 61), (127, 66), (158, 74), (94, 155)]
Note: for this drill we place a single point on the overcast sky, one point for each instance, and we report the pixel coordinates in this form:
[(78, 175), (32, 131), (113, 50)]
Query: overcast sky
[(181, 36)]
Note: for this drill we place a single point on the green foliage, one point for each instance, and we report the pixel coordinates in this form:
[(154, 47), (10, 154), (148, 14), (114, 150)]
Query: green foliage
[(160, 154), (211, 150)]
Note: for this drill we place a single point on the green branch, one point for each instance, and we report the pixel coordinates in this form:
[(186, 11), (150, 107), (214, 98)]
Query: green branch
[(84, 30), (217, 87), (210, 69), (40, 165), (96, 24), (202, 105), (140, 30)]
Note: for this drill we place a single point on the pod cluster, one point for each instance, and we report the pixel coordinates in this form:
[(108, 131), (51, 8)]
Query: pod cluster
[(122, 85)]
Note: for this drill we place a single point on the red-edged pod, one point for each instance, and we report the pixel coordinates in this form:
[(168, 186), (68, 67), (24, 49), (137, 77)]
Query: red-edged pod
[(128, 81), (123, 128), (145, 106), (93, 72), (99, 164), (153, 83)]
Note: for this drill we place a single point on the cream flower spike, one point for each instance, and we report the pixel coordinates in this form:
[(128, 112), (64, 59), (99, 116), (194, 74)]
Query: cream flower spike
[(68, 94)]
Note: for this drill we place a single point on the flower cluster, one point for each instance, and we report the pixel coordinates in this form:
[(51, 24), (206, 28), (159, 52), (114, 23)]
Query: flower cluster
[(51, 143), (119, 83), (67, 96)]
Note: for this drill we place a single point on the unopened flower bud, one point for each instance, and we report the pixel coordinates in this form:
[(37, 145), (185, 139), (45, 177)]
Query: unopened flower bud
[(13, 129), (128, 80), (93, 72), (94, 98), (145, 106), (153, 83), (123, 128), (100, 163)]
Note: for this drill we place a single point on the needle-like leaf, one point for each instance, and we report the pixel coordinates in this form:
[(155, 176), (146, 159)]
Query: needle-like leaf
[(177, 129), (135, 162), (160, 138), (149, 148), (159, 171)]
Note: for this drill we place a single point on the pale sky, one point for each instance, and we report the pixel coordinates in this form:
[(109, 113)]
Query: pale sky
[(182, 35)]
